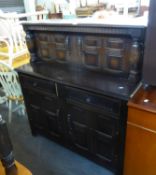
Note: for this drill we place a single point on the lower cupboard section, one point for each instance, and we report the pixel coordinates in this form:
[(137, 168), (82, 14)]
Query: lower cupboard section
[(88, 123)]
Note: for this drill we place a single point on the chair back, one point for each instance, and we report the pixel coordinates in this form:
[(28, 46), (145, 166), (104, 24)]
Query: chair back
[(13, 47), (9, 81), (12, 39)]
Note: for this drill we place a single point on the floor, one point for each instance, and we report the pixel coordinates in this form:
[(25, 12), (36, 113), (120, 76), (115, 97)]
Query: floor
[(45, 157)]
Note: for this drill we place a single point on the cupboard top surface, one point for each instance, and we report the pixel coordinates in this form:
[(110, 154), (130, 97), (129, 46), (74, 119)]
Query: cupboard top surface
[(135, 30), (117, 21), (144, 99), (80, 78)]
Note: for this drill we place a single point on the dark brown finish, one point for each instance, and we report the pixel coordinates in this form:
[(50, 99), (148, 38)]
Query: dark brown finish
[(78, 83), (140, 148), (90, 28), (114, 55), (75, 76), (79, 116), (115, 50), (150, 51)]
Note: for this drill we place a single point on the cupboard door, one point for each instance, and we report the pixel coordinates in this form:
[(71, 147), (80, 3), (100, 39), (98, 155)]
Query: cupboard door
[(140, 149), (105, 124), (105, 131), (33, 101), (51, 111), (104, 149), (52, 122), (77, 124)]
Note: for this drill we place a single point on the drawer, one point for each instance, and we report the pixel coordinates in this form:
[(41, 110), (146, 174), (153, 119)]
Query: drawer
[(142, 118), (38, 84), (102, 102)]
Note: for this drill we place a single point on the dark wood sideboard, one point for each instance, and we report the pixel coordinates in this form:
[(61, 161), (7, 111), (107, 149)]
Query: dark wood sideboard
[(77, 86)]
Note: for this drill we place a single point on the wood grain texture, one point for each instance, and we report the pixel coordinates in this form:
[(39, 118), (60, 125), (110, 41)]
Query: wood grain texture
[(140, 151), (144, 100)]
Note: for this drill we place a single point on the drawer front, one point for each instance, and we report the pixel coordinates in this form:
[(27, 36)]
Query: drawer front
[(38, 84), (104, 103), (142, 118)]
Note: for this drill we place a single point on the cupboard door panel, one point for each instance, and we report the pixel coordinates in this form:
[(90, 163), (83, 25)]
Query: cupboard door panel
[(52, 123), (104, 147), (140, 141), (50, 103), (77, 126), (51, 110), (91, 49), (80, 136), (35, 115), (62, 47), (33, 101), (105, 124)]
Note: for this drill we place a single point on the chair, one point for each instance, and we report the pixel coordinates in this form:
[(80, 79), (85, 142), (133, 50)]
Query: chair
[(13, 47), (10, 84), (12, 42), (21, 169)]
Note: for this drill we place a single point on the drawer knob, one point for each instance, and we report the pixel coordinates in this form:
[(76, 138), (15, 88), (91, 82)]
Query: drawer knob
[(34, 84), (69, 115), (88, 100)]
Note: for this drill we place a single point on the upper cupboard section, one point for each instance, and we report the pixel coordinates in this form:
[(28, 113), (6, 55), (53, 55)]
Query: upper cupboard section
[(107, 53)]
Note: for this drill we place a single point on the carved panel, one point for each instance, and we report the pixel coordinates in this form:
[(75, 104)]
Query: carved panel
[(114, 54)]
